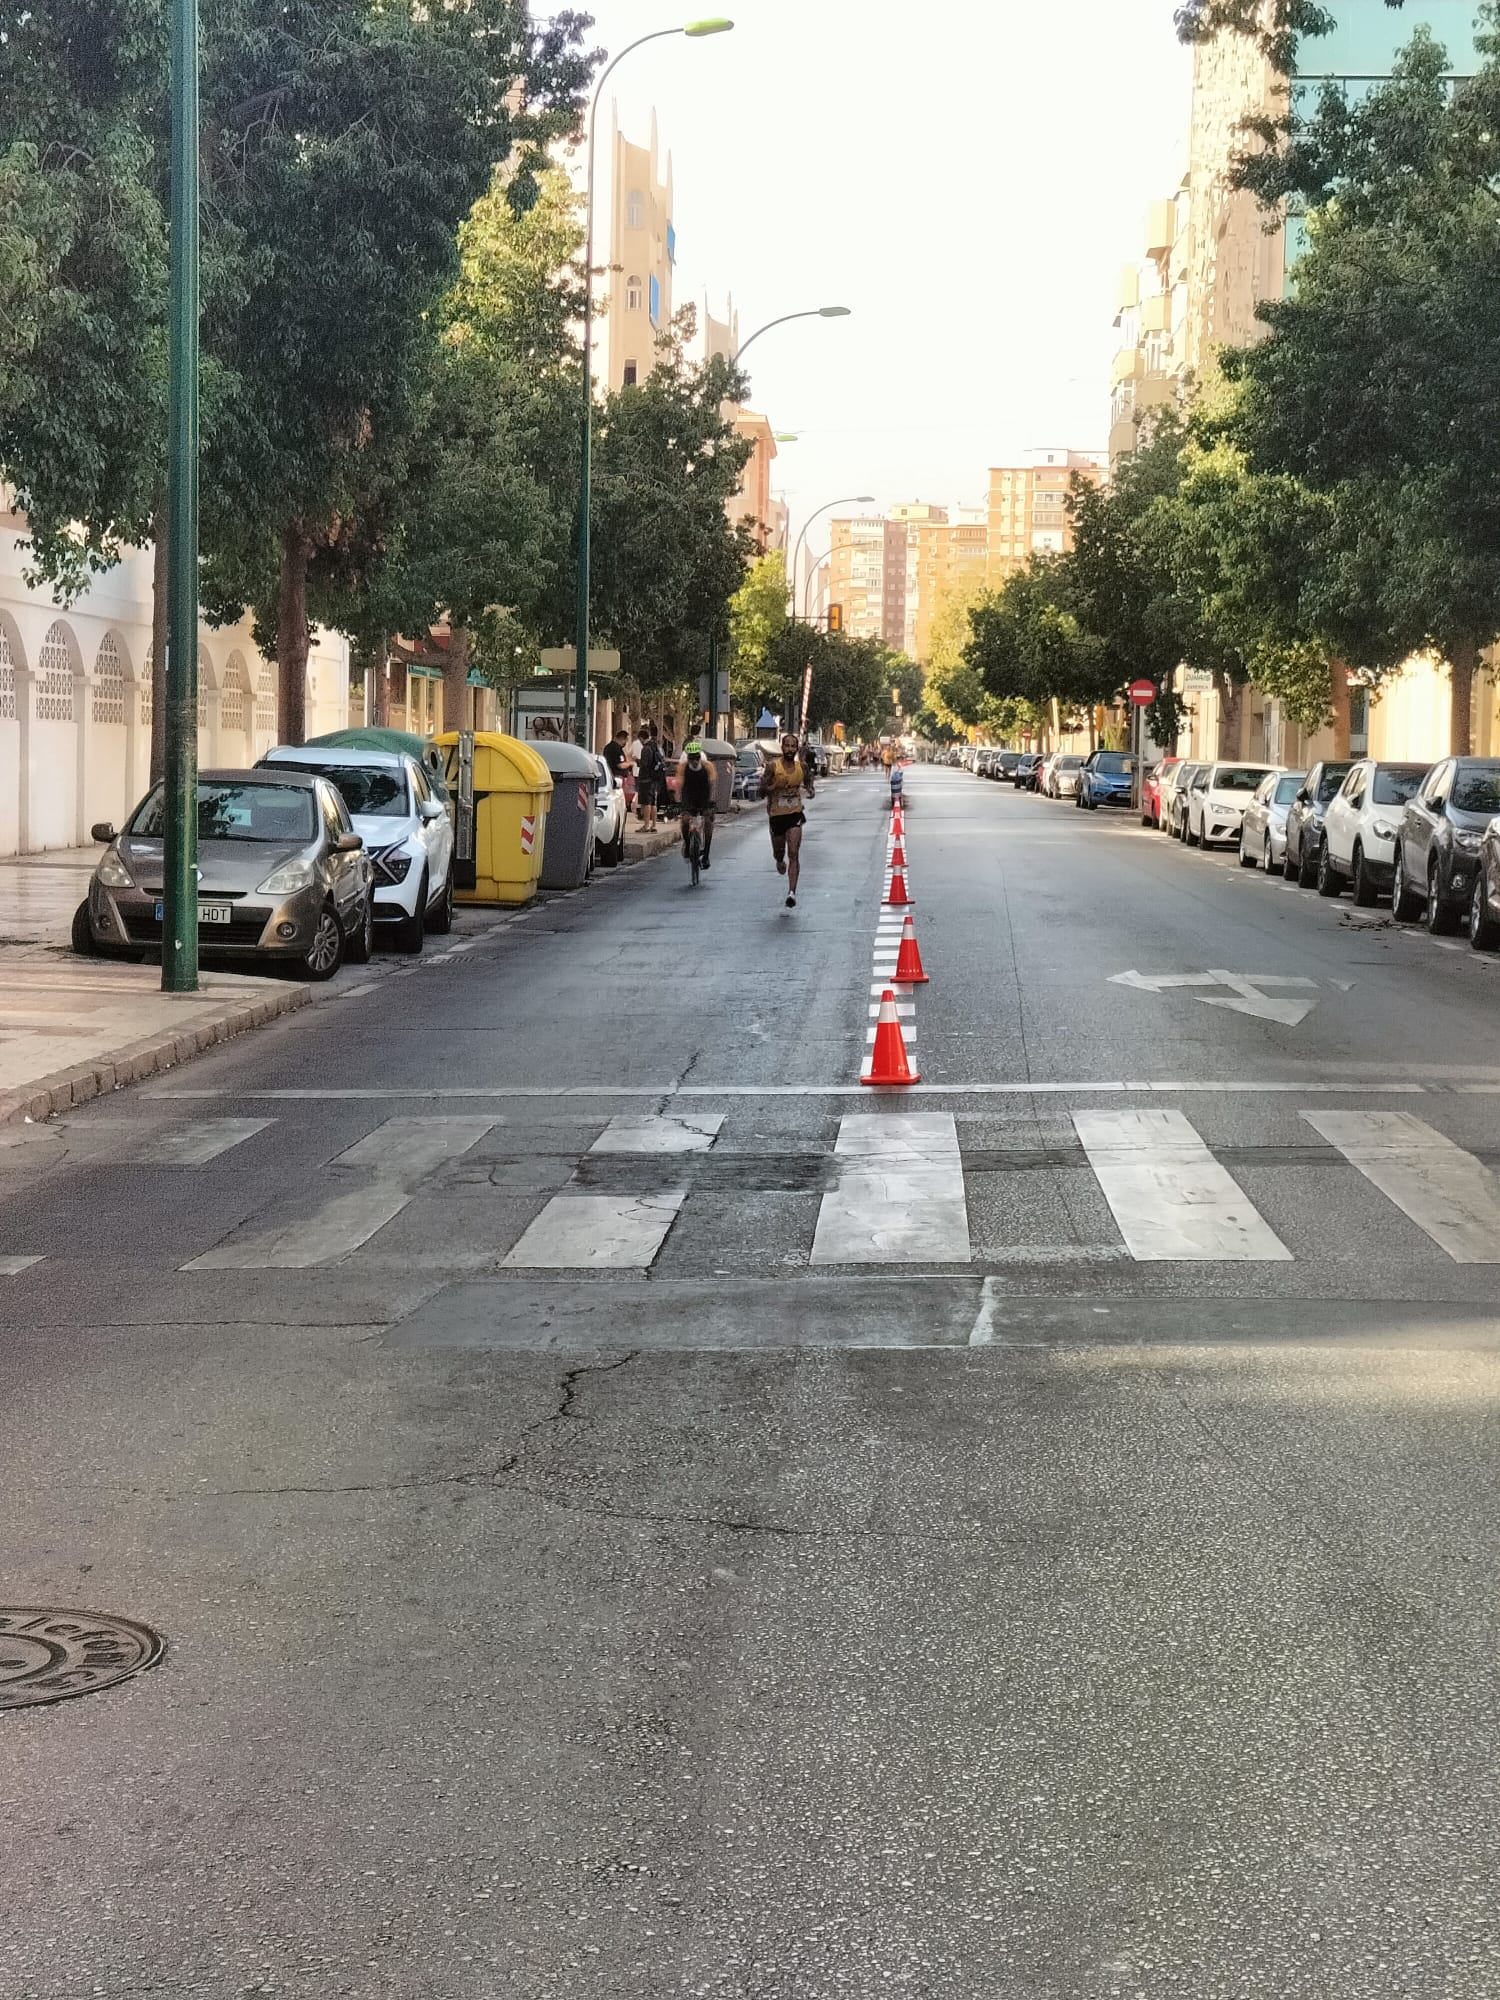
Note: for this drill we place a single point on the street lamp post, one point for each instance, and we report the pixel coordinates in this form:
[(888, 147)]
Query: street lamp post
[(695, 30), (179, 933), (849, 500), (812, 312)]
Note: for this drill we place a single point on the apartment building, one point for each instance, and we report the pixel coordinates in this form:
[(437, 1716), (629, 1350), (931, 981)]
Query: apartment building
[(1026, 514), (1151, 356), (867, 576), (952, 561), (921, 521), (642, 256)]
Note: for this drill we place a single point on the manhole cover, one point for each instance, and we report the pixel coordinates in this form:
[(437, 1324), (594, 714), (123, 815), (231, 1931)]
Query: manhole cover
[(50, 1655)]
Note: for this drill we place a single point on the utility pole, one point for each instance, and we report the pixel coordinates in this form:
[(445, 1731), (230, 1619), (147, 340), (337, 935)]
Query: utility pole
[(179, 935)]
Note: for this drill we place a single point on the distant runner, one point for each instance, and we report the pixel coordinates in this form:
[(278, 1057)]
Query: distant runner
[(784, 784)]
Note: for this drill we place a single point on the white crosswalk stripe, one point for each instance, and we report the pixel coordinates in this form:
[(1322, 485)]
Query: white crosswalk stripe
[(390, 1165), (900, 1194), (191, 1145), (597, 1232), (1445, 1191), (1170, 1197), (694, 1133)]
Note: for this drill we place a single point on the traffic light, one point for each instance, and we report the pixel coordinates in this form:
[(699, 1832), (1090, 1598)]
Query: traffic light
[(835, 617)]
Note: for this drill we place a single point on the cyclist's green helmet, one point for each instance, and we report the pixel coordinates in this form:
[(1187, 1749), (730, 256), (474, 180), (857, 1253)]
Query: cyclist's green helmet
[(693, 749)]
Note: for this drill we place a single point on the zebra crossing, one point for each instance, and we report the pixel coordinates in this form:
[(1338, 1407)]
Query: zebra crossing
[(890, 1188)]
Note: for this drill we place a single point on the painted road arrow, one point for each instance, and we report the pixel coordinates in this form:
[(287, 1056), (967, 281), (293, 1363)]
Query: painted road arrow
[(1244, 996)]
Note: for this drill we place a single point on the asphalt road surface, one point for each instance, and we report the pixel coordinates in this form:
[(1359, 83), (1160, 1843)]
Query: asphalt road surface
[(634, 1513)]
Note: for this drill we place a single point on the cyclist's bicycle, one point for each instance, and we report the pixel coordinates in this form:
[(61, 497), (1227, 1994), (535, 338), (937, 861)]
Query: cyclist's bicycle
[(692, 844)]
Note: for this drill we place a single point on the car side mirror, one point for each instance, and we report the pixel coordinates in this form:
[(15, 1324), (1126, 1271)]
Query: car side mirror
[(102, 830), (348, 843), (430, 810)]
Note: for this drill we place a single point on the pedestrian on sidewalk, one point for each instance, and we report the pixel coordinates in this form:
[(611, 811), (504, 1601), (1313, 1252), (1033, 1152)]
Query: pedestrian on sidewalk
[(650, 777)]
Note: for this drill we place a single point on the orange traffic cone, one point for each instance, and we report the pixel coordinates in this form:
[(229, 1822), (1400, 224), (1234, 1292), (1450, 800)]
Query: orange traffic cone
[(909, 960), (898, 854), (896, 896), (888, 1062), (896, 822)]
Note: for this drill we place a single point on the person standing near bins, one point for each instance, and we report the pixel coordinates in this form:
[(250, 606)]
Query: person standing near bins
[(697, 795), (650, 777), (785, 782)]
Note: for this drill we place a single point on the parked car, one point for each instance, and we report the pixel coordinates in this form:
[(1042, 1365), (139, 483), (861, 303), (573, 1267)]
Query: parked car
[(1217, 800), (1484, 904), (406, 829), (1263, 829), (749, 765), (1023, 777), (1153, 788), (282, 875), (1438, 842), (609, 816), (1107, 779), (1004, 764), (1304, 820), (1359, 828), (1062, 777), (1174, 797)]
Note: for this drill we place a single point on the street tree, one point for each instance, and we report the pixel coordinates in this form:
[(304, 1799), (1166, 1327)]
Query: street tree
[(1028, 646), (354, 145), (1374, 386), (757, 618)]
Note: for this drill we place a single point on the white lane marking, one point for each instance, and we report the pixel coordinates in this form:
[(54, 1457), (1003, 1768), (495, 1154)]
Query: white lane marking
[(1445, 1191), (11, 1267), (693, 1134), (593, 1232), (900, 1193), (1070, 1087), (906, 1010), (401, 1152), (1169, 1196), (1245, 987), (192, 1145), (982, 1333)]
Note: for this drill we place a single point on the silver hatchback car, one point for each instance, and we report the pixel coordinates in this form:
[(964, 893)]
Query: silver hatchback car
[(282, 875)]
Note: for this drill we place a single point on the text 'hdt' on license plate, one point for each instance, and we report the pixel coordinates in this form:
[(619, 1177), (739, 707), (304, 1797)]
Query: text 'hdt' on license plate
[(208, 913)]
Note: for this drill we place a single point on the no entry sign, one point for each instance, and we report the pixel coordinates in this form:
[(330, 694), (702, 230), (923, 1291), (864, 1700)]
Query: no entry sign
[(1142, 693)]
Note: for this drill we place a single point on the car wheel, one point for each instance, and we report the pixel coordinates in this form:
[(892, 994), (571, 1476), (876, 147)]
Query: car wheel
[(1406, 904), (440, 916), (360, 948), (1307, 864), (1266, 861), (325, 954), (1288, 866), (1330, 882), (1365, 890), (1247, 860), (1192, 839), (1436, 915), (1484, 931), (408, 933), (83, 932)]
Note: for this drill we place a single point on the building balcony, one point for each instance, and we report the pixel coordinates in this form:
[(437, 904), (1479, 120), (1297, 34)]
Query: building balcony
[(1127, 367), (1156, 314), (1161, 228), (1155, 392), (1130, 288), (1122, 438)]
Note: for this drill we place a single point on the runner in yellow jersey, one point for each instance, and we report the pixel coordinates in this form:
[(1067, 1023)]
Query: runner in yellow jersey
[(785, 783)]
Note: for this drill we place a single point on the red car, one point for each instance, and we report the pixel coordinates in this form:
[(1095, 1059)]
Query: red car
[(1151, 790)]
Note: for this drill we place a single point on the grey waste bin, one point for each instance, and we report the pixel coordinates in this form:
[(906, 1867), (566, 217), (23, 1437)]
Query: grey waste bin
[(568, 853), (723, 757)]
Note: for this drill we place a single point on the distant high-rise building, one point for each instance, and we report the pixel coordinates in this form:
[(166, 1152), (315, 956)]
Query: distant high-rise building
[(952, 560), (867, 576), (642, 256), (1027, 514), (1151, 359)]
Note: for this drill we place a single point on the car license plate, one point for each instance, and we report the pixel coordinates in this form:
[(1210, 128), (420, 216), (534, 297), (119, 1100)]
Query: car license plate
[(208, 913)]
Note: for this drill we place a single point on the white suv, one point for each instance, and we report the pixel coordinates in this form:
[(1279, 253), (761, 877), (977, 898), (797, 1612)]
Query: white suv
[(1360, 828), (406, 829)]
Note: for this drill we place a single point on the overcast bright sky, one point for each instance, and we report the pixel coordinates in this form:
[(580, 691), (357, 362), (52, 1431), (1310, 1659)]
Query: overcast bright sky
[(967, 175)]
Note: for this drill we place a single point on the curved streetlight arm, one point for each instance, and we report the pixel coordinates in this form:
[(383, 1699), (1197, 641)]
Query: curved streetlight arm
[(813, 312), (848, 500)]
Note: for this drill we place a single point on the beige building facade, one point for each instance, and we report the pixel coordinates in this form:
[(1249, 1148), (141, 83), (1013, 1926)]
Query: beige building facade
[(1026, 514), (1150, 365), (642, 256), (867, 577)]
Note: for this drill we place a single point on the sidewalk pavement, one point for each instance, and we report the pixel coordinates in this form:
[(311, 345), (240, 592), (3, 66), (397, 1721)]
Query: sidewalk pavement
[(70, 1027)]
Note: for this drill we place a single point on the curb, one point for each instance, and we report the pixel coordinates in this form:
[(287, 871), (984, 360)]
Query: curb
[(66, 1088)]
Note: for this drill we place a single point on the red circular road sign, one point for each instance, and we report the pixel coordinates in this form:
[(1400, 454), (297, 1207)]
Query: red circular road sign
[(1142, 693)]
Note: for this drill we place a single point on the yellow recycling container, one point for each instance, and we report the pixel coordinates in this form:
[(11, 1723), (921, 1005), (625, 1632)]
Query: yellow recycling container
[(512, 790)]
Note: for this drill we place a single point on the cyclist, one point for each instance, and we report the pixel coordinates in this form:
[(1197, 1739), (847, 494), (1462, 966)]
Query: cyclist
[(697, 797), (785, 783)]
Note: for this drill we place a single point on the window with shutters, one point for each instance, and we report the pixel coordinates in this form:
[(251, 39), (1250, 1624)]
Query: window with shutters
[(236, 687), (54, 688), (146, 692), (7, 679), (109, 684), (265, 701)]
